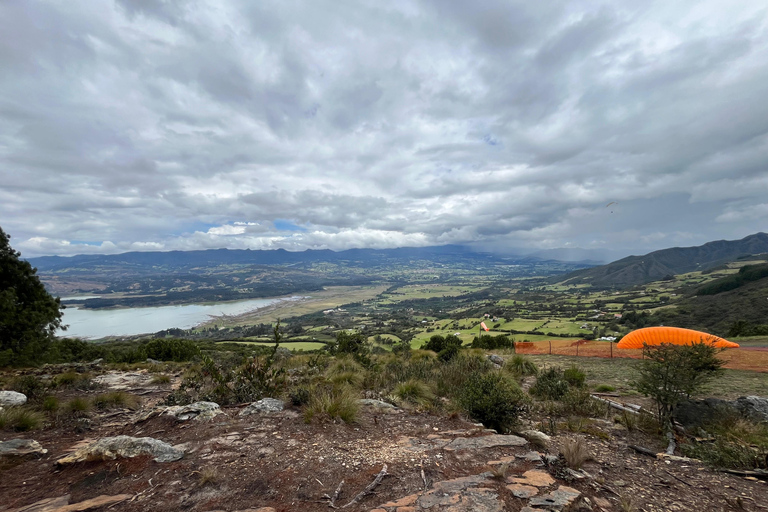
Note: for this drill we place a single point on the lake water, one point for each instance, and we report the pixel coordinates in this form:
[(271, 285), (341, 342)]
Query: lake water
[(99, 323)]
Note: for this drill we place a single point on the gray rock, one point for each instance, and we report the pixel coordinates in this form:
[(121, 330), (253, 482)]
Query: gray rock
[(198, 410), (754, 407), (695, 413), (478, 443), (536, 437), (495, 359), (380, 404), (561, 499), (110, 448), (8, 398), (21, 448), (264, 405)]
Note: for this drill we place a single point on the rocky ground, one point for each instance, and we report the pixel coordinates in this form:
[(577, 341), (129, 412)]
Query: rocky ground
[(205, 458)]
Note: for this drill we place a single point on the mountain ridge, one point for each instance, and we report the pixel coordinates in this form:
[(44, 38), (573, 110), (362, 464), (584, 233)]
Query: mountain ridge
[(656, 265)]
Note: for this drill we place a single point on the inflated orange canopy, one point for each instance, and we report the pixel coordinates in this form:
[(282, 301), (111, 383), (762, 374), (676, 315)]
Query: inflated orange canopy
[(673, 335)]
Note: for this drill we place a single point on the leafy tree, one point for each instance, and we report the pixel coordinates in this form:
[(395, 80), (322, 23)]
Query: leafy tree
[(354, 344), (29, 315), (671, 373)]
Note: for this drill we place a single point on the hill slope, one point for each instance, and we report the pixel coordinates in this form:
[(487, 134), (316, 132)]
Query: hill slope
[(654, 266)]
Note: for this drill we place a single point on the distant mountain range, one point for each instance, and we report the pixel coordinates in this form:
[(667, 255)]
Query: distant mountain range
[(636, 270), (218, 257)]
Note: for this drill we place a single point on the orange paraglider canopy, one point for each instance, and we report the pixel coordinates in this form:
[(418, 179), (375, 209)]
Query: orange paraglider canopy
[(673, 335)]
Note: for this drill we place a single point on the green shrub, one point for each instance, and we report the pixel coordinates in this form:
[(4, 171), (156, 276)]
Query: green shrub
[(20, 419), (115, 400), (671, 373), (333, 404), (78, 407), (575, 377), (50, 403), (353, 379), (550, 384), (521, 365), (31, 386), (578, 401), (604, 388), (488, 342), (449, 378), (171, 350), (414, 391), (81, 381), (299, 396), (161, 380), (738, 444), (494, 399)]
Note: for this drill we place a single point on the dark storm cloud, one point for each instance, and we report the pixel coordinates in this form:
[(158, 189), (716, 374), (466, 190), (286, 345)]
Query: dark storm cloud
[(159, 124)]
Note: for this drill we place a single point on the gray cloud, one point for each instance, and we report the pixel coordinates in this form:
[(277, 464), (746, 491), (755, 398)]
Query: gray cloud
[(158, 124)]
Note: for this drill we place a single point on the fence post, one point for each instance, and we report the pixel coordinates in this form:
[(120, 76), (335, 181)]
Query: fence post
[(577, 347), (550, 347), (611, 350)]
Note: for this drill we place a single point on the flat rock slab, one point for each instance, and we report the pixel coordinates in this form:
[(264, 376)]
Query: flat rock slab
[(561, 500), (523, 491), (465, 494), (21, 448), (479, 443), (9, 398), (61, 504), (377, 404), (262, 406), (110, 448), (124, 380), (201, 411), (534, 477)]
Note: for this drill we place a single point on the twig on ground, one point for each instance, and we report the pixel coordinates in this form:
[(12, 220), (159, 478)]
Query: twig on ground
[(678, 478), (644, 451), (370, 487), (336, 495)]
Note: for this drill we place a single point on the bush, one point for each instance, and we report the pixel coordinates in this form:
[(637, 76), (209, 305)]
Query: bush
[(171, 350), (439, 343), (299, 396), (575, 453), (550, 385), (50, 403), (488, 342), (670, 373), (30, 385), (333, 404), (738, 444), (414, 391), (78, 407), (604, 388), (115, 400), (494, 399), (20, 419), (574, 377), (81, 381), (521, 366)]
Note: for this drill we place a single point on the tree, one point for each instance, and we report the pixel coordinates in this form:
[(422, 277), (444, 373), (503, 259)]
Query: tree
[(29, 315), (671, 373)]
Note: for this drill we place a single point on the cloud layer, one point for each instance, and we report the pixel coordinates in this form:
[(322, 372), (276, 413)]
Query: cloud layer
[(162, 124)]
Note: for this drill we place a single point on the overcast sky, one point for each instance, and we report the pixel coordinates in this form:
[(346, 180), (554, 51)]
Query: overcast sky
[(184, 124)]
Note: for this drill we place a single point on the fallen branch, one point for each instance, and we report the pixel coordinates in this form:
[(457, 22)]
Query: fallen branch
[(672, 445), (616, 405), (763, 475), (644, 451), (336, 495), (424, 479), (678, 478), (368, 489)]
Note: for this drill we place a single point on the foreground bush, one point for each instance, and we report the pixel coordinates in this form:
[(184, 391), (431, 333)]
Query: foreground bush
[(20, 419), (521, 366), (332, 404), (494, 399), (550, 385), (414, 392)]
